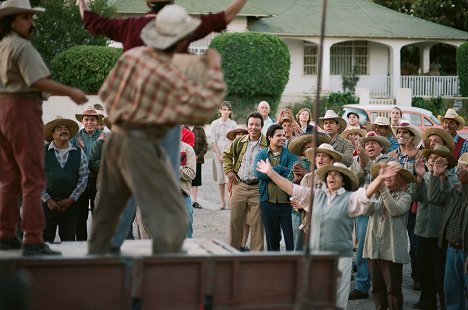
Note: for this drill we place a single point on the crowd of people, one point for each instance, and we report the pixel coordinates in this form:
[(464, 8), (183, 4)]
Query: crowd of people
[(385, 189)]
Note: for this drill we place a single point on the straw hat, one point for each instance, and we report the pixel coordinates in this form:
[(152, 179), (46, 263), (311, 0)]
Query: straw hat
[(89, 111), (296, 145), (330, 114), (372, 136), (380, 121), (442, 134), (343, 170), (452, 114), (411, 128), (170, 25), (463, 161), (359, 131), (442, 151), (12, 7), (403, 172), (231, 134), (59, 120), (323, 148)]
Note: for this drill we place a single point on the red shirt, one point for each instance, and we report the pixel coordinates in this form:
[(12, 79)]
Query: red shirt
[(127, 30)]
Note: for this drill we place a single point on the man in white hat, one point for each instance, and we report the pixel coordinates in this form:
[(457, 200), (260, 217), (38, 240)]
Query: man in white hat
[(382, 127), (66, 168), (24, 80), (133, 162), (333, 125), (452, 122)]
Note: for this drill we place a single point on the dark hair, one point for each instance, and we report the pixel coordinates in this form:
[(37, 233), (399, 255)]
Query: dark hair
[(346, 181), (254, 115), (228, 105), (271, 130), (5, 25), (357, 115)]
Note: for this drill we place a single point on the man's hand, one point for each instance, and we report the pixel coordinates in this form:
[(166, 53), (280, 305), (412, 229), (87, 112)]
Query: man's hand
[(463, 175), (78, 96), (440, 165), (52, 205), (233, 178), (363, 158), (83, 6), (411, 149), (213, 59), (64, 204), (299, 170), (420, 167)]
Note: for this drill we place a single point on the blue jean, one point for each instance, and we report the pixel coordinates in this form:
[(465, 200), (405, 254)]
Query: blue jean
[(298, 235), (188, 206), (171, 144), (125, 224), (277, 217), (363, 277), (454, 284)]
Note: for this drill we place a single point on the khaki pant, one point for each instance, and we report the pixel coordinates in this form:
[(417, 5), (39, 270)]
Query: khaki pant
[(135, 165), (245, 201)]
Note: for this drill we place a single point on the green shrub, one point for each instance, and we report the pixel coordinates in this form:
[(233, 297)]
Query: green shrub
[(85, 67), (462, 68), (256, 68)]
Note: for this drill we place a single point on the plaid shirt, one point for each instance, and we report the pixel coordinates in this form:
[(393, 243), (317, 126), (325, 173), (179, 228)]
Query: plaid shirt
[(146, 89), (201, 144), (464, 148), (83, 171)]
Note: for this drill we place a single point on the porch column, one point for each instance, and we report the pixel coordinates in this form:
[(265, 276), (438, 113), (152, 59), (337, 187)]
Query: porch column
[(425, 57), (396, 67), (326, 65)]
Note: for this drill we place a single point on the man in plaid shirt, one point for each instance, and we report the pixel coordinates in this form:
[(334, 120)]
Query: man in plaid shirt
[(145, 94)]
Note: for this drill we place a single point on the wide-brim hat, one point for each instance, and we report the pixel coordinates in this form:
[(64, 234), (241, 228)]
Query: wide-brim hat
[(59, 120), (408, 176), (330, 114), (231, 134), (372, 136), (442, 134), (341, 168), (296, 145), (89, 111), (359, 131), (323, 148), (12, 7), (411, 128), (379, 120), (442, 151), (452, 114), (170, 25)]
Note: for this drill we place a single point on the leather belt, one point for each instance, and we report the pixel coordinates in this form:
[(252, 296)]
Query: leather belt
[(456, 245), (250, 182)]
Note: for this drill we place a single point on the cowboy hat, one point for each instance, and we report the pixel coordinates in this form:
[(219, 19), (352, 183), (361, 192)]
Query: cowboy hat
[(89, 111), (372, 136), (380, 121), (463, 161), (442, 151), (403, 172), (350, 130), (12, 7), (231, 134), (442, 134), (452, 114), (170, 25), (343, 170), (296, 145), (411, 128), (59, 120), (330, 114), (323, 148)]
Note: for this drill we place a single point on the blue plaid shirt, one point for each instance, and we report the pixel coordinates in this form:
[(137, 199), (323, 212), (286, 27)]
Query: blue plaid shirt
[(464, 148)]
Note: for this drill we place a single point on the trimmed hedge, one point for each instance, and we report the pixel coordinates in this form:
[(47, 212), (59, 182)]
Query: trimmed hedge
[(256, 67), (462, 68), (84, 67)]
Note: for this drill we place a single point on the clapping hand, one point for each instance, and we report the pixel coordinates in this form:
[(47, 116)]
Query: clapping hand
[(463, 175), (420, 167), (264, 166), (440, 165)]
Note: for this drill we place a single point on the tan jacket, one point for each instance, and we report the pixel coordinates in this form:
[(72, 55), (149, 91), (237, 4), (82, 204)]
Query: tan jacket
[(188, 167)]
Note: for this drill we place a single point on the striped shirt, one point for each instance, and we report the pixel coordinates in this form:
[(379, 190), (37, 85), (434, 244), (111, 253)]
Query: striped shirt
[(145, 89), (62, 157)]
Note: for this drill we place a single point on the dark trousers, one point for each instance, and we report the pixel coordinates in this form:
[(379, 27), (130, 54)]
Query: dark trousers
[(386, 278), (86, 199), (66, 223), (412, 251), (431, 266), (277, 217)]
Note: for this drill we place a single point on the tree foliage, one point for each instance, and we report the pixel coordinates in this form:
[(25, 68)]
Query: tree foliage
[(462, 66), (60, 26), (256, 67), (85, 67)]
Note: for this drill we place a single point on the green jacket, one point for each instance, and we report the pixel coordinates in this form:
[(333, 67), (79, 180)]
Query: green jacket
[(233, 154)]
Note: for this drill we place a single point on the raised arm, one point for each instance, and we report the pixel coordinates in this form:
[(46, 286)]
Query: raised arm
[(232, 10)]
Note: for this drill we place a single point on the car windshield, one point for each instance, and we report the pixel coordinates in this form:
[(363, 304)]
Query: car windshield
[(435, 120), (362, 115)]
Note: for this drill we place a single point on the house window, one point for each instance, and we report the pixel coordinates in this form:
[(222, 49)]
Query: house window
[(310, 58), (348, 55), (199, 47)]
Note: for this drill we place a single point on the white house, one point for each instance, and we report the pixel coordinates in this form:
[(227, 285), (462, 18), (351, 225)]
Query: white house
[(359, 34)]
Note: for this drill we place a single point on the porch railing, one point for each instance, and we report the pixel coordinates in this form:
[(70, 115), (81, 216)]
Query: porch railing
[(431, 86), (380, 86)]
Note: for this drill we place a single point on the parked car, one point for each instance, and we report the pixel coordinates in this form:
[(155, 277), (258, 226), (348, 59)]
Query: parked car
[(417, 116)]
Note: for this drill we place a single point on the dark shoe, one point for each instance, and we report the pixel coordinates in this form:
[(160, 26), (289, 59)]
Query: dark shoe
[(356, 294), (196, 205), (244, 249), (416, 286), (38, 250), (10, 244)]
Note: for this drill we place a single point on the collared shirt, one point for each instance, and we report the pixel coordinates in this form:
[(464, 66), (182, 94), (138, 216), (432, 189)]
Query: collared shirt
[(247, 169), (62, 157), (464, 148), (20, 65), (266, 124), (406, 161), (146, 89), (393, 143), (275, 193)]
